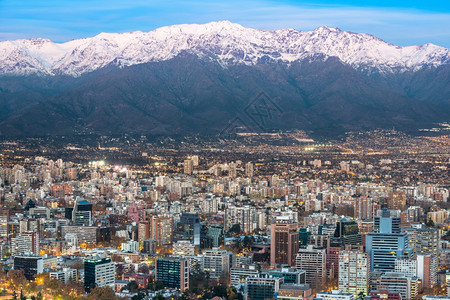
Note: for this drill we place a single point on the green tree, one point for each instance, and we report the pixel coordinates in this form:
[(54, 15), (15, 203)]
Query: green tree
[(132, 286), (39, 296), (155, 285), (247, 243), (235, 229), (102, 293), (158, 297), (17, 279)]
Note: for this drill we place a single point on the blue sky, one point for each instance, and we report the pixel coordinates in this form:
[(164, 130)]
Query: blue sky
[(400, 22)]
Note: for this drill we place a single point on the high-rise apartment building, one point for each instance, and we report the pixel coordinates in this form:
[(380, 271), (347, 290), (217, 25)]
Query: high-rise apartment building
[(313, 262), (354, 268), (188, 166), (396, 200), (161, 229), (242, 215), (249, 170), (143, 231), (232, 172), (363, 208), (216, 262)]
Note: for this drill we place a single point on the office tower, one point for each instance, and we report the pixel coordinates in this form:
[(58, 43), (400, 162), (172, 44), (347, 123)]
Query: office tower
[(216, 262), (25, 243), (215, 233), (399, 282), (183, 248), (143, 231), (303, 236), (188, 167), (396, 200), (173, 272), (283, 242), (387, 244), (262, 287), (232, 170), (249, 170), (161, 229), (31, 265), (188, 229), (347, 232), (363, 208), (290, 275), (82, 213), (387, 221), (313, 262), (354, 268), (99, 271)]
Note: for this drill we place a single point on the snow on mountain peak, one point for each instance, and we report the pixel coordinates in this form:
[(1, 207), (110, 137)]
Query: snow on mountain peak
[(223, 41)]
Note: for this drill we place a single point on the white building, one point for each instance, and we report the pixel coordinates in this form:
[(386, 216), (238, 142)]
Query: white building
[(65, 275), (183, 248), (354, 267), (334, 295), (26, 242), (130, 246), (216, 262)]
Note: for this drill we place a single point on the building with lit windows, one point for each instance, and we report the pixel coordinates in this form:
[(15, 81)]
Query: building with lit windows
[(173, 272), (98, 272), (354, 268), (283, 242), (313, 262)]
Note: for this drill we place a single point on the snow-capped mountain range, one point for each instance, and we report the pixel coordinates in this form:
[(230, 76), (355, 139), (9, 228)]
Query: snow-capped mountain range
[(224, 42)]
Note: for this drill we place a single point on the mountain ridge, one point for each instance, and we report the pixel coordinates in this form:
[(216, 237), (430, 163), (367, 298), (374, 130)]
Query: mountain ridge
[(225, 42)]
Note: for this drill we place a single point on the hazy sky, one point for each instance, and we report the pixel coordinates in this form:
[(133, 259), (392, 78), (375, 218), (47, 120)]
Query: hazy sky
[(399, 22)]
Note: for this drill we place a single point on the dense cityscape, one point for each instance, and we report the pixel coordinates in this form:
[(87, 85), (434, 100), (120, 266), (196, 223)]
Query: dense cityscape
[(259, 216)]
